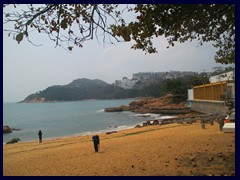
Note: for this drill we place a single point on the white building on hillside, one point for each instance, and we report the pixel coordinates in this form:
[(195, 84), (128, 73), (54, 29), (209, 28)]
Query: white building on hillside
[(126, 83), (227, 76)]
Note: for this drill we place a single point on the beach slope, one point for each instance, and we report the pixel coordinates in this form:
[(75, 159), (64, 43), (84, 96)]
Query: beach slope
[(161, 150)]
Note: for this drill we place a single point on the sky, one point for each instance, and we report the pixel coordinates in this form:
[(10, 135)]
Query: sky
[(28, 69)]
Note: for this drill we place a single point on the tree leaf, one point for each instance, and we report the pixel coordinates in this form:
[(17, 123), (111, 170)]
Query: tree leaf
[(19, 37), (70, 48), (64, 24)]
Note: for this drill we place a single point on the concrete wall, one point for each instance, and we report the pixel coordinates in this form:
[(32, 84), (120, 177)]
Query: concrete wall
[(190, 94), (209, 106)]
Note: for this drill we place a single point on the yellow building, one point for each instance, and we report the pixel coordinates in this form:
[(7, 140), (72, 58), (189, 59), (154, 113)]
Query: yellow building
[(213, 97)]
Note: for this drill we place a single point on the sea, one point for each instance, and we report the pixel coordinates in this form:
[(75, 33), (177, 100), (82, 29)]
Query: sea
[(64, 119)]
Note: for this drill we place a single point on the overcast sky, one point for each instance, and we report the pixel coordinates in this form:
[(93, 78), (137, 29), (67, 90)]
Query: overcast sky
[(28, 69)]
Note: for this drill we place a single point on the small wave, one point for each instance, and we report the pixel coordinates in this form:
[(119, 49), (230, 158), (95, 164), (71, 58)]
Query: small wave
[(166, 117), (101, 110), (122, 127), (147, 115), (109, 129)]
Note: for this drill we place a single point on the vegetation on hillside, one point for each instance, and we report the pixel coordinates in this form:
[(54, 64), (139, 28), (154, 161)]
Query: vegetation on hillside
[(82, 89)]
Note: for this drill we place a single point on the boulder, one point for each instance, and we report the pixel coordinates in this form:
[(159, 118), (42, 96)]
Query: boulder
[(14, 140), (169, 104), (110, 132), (113, 109), (6, 129), (138, 126), (155, 122)]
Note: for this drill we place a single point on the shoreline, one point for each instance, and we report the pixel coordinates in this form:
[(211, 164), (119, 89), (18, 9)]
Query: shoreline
[(57, 101), (160, 150), (103, 131), (107, 129)]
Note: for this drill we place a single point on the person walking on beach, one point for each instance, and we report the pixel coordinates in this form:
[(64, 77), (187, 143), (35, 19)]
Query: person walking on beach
[(40, 136), (96, 142)]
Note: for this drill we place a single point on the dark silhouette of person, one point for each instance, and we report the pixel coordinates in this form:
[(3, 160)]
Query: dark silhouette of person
[(96, 142), (40, 136), (203, 124), (221, 124)]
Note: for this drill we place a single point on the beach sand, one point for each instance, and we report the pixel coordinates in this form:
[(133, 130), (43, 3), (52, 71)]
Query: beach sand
[(160, 150)]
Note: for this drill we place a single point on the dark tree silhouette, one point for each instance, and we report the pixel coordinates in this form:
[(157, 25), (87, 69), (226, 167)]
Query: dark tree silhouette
[(70, 25)]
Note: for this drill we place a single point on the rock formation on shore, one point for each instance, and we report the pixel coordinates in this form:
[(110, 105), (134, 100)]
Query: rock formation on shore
[(169, 104), (12, 141), (6, 129)]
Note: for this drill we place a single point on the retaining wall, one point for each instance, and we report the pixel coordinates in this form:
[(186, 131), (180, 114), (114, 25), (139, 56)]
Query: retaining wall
[(205, 106)]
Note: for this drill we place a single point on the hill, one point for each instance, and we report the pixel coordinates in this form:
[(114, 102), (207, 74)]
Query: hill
[(80, 89)]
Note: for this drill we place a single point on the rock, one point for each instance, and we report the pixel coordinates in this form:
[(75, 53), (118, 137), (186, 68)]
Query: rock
[(149, 122), (169, 104), (169, 110), (155, 122), (113, 109), (111, 132), (16, 129), (7, 129), (138, 126), (126, 108), (145, 124), (14, 140)]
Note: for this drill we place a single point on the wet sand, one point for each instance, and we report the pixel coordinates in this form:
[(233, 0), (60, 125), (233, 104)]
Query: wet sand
[(167, 150)]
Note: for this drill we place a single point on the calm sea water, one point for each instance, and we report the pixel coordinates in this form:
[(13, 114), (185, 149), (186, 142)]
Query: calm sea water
[(66, 118)]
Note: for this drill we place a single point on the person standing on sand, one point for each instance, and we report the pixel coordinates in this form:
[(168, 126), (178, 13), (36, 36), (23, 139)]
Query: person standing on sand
[(203, 124), (96, 142), (221, 123), (40, 136)]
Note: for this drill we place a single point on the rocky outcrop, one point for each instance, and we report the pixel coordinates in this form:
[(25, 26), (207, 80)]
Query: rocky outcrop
[(113, 109), (185, 110), (119, 109), (111, 132), (14, 140), (169, 104), (6, 129), (184, 119)]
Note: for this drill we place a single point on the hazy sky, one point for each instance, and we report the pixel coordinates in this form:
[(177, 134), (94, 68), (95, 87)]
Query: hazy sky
[(28, 69)]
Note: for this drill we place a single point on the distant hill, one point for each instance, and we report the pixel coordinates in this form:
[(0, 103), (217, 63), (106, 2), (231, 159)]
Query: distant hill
[(81, 89), (87, 83)]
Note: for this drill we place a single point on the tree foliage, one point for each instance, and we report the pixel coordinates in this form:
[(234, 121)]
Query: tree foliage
[(70, 25), (181, 23), (178, 86), (82, 89)]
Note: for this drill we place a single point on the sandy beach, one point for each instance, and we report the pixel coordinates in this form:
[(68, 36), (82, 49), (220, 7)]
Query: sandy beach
[(160, 150)]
